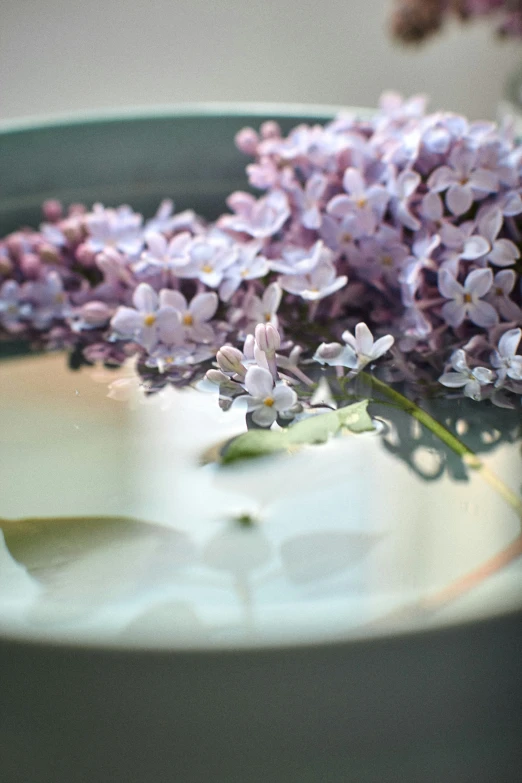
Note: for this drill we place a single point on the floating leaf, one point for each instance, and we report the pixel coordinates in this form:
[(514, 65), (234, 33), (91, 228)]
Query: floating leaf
[(314, 429)]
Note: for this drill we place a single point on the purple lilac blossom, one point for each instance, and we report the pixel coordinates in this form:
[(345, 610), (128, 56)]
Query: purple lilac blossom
[(408, 221)]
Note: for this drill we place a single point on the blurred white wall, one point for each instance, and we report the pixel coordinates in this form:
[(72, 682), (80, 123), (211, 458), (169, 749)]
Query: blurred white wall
[(61, 56)]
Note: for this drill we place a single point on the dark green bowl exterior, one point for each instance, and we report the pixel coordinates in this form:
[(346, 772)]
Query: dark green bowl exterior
[(441, 705), (184, 155)]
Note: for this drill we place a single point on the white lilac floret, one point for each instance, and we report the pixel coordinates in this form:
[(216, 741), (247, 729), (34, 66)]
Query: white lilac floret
[(358, 350), (505, 360), (471, 381), (265, 398)]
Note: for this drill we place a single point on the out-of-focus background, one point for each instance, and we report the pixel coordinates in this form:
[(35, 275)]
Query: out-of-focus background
[(58, 56)]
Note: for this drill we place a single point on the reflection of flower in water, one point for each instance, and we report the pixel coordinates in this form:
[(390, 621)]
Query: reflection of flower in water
[(425, 454), (128, 387)]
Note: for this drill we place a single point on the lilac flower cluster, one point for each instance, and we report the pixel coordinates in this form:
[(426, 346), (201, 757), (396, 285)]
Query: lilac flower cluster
[(406, 221), (414, 20)]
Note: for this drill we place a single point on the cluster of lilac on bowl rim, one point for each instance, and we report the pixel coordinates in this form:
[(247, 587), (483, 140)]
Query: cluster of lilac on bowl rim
[(402, 221)]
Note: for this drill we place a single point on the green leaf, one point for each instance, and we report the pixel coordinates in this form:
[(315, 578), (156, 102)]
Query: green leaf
[(314, 429)]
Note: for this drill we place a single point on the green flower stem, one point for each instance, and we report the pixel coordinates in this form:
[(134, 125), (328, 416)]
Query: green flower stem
[(466, 454)]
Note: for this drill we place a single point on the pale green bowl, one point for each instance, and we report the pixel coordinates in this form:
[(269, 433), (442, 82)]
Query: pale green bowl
[(442, 705)]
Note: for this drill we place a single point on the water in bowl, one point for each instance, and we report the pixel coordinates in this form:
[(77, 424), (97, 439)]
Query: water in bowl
[(115, 531)]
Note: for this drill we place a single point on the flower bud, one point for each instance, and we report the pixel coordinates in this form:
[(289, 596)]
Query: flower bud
[(267, 338), (52, 210), (247, 141), (216, 376), (328, 351), (85, 256), (229, 360), (30, 265), (96, 313)]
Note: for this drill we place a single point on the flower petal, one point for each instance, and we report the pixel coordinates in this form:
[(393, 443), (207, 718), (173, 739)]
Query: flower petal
[(508, 343), (459, 199), (175, 299), (284, 397), (454, 379), (483, 314), (363, 339), (382, 345), (475, 247), (145, 298), (126, 321), (479, 282), (203, 306), (504, 253), (259, 382), (264, 415), (453, 313), (448, 285)]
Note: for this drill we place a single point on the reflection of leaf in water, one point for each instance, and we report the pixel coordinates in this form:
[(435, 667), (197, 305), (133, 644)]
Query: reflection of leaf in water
[(311, 430), (319, 555), (86, 562), (238, 550)]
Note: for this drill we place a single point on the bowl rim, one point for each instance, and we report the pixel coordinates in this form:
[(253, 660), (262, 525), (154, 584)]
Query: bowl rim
[(179, 110)]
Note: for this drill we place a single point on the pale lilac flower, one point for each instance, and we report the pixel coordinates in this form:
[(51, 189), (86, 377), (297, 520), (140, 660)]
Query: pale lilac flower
[(384, 256), (364, 347), (194, 317), (49, 300), (361, 197), (460, 243), (12, 308), (402, 188), (92, 315), (249, 265), (340, 235), (161, 254), (467, 299), (358, 350), (308, 199), (301, 260), (500, 252), (114, 268), (264, 309), (422, 258), (414, 328), (166, 222), (461, 179), (509, 203), (471, 381), (320, 282), (52, 234), (175, 355), (503, 284), (119, 228), (260, 218), (209, 258), (148, 322), (265, 399), (505, 359)]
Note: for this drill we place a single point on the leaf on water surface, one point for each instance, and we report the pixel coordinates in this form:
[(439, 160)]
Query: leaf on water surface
[(312, 430)]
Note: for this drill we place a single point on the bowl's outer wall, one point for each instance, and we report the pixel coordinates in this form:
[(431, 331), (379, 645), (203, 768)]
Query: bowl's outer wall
[(191, 159), (437, 707)]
